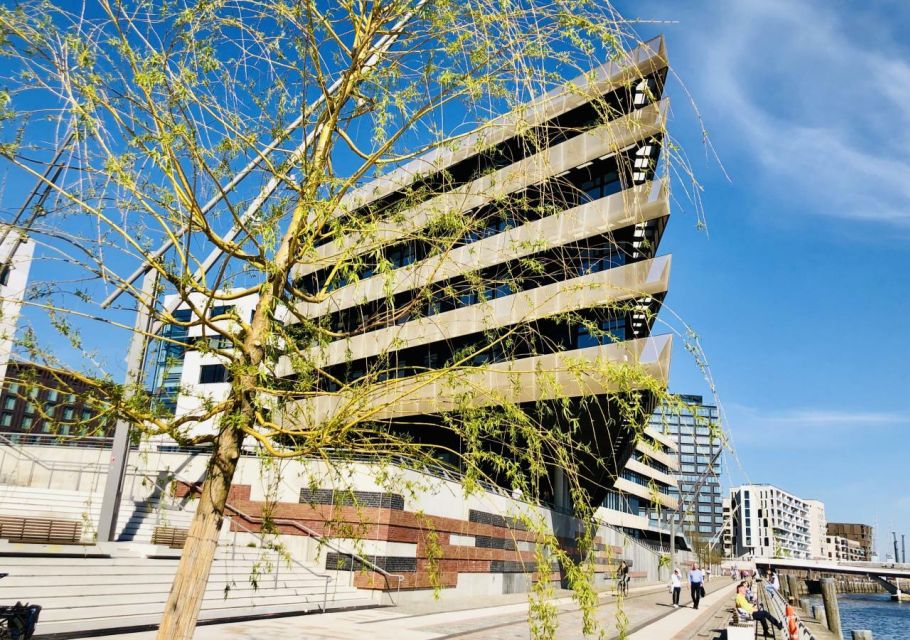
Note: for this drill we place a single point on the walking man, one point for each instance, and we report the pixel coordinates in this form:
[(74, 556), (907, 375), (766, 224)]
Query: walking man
[(696, 584)]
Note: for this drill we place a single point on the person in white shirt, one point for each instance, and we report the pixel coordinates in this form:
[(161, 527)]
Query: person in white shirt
[(696, 584), (675, 587)]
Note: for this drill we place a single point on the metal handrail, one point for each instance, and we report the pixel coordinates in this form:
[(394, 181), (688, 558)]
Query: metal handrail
[(327, 578), (777, 602), (252, 519), (322, 540), (296, 525), (43, 439)]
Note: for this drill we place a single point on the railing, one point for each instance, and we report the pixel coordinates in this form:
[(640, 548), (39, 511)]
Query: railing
[(50, 467), (322, 540), (55, 467), (778, 608), (327, 579), (47, 439)]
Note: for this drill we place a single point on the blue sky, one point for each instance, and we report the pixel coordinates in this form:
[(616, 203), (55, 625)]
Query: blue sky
[(799, 291)]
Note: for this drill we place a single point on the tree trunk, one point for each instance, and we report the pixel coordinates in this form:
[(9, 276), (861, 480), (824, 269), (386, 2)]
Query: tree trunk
[(185, 599)]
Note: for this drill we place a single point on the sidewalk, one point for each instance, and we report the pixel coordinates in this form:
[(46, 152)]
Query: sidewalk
[(646, 611)]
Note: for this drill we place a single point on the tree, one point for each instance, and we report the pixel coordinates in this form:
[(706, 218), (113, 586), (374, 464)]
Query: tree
[(165, 102)]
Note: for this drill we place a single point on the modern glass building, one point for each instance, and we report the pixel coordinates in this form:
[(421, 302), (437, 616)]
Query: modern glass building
[(563, 211), (694, 428)]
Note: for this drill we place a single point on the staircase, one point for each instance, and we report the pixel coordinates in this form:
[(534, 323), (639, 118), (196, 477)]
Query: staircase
[(80, 595), (86, 589)]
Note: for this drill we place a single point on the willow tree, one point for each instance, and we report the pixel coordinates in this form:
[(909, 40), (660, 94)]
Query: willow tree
[(160, 106)]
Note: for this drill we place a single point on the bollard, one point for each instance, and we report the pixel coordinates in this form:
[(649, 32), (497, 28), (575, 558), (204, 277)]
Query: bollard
[(818, 612), (805, 603), (862, 635), (832, 611), (793, 584)]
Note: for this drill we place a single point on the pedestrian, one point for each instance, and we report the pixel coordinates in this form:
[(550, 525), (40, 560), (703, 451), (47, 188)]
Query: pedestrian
[(748, 609), (733, 573), (773, 583), (707, 574), (675, 587), (622, 578), (696, 584)]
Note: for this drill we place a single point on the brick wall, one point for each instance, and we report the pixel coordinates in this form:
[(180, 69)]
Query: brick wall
[(485, 543)]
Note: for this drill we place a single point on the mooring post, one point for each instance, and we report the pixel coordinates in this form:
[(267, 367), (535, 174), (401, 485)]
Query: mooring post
[(832, 611), (818, 612), (793, 585)]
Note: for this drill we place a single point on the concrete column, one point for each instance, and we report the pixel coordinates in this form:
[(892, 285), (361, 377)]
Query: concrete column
[(560, 490), (120, 451), (832, 611)]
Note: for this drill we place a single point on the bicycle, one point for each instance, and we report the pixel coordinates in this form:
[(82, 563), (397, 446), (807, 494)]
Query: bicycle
[(18, 621)]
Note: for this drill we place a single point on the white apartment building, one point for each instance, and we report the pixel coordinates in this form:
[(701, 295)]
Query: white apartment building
[(769, 522), (818, 529), (844, 549)]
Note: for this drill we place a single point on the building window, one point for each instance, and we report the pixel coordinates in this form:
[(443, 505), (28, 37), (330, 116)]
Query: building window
[(220, 310), (69, 413), (4, 275), (27, 422), (6, 420), (212, 374), (10, 402), (52, 395), (182, 315), (601, 186)]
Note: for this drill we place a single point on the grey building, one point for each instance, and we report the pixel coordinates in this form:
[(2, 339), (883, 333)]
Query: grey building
[(694, 426), (559, 254)]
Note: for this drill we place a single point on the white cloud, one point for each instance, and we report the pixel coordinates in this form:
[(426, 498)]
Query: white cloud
[(825, 418), (806, 428), (819, 102)]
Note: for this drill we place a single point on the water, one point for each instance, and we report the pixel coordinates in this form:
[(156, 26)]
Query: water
[(876, 612)]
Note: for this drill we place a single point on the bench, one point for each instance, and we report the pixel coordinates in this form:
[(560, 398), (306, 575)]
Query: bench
[(740, 628), (40, 530), (172, 537)]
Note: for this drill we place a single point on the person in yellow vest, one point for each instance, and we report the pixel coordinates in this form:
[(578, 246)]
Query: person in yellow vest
[(747, 609)]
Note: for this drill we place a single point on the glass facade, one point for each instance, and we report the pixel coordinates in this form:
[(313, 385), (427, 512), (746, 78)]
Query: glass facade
[(696, 428)]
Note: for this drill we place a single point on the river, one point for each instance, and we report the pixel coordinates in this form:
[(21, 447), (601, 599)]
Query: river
[(876, 612)]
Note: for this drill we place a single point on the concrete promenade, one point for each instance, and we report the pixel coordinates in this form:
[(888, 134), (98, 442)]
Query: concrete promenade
[(647, 611)]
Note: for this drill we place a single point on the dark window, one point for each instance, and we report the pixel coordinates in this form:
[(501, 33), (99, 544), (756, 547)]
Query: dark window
[(220, 310), (182, 315), (212, 373), (4, 275)]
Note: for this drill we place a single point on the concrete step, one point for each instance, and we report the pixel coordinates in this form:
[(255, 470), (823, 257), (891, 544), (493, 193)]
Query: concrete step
[(84, 594), (72, 607), (136, 621), (42, 592)]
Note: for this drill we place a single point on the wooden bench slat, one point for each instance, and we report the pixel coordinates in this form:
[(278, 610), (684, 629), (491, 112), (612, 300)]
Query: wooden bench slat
[(49, 530)]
